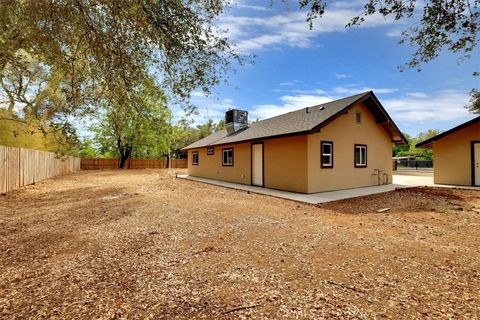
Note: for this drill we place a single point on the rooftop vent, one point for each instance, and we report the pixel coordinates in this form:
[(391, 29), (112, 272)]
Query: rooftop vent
[(236, 120)]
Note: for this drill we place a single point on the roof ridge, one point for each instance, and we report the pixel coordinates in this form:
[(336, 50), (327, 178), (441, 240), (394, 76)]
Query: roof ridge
[(316, 105), (299, 122)]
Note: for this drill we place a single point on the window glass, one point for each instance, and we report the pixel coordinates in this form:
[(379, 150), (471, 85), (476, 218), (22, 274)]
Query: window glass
[(227, 157), (360, 155), (195, 157), (326, 154)]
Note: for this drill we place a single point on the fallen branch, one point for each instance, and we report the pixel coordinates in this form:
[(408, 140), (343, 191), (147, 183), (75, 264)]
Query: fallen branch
[(242, 308), (344, 286)]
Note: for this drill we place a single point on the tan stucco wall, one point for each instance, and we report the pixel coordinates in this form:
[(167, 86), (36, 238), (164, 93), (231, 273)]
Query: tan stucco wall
[(211, 166), (345, 133), (293, 163), (452, 157), (285, 163)]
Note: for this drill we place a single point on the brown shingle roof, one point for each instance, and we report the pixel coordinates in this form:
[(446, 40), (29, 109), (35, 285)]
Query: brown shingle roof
[(296, 122)]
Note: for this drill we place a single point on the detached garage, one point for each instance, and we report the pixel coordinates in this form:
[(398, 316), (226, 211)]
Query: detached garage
[(457, 154)]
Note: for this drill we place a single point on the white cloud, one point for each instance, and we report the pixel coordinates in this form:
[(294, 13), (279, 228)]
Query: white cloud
[(446, 105), (409, 108), (252, 7), (417, 94), (208, 107), (289, 103), (287, 83), (198, 94), (251, 33), (394, 33), (342, 75), (312, 91)]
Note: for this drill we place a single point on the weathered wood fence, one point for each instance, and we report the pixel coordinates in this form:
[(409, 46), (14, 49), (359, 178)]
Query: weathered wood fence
[(96, 164), (20, 167)]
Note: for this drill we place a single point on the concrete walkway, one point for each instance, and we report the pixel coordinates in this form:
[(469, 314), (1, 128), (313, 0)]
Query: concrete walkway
[(420, 181), (399, 181), (412, 180), (313, 198)]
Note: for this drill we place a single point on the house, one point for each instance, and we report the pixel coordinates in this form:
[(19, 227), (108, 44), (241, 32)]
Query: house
[(342, 144), (457, 154)]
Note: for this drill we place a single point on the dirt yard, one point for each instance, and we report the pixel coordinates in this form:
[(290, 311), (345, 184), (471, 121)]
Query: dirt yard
[(141, 244)]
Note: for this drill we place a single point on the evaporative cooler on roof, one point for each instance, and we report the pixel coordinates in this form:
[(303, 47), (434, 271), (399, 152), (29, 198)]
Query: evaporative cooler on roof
[(236, 120)]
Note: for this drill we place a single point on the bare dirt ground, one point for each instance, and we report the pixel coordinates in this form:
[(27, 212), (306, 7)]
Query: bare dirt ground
[(141, 244)]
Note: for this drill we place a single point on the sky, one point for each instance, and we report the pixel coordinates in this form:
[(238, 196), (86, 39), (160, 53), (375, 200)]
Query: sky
[(295, 67)]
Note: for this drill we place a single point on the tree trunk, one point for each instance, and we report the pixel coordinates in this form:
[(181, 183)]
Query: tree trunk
[(123, 159), (124, 156), (168, 160)]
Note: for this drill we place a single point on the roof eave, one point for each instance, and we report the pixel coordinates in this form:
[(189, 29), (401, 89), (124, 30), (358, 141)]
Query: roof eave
[(361, 99), (429, 142)]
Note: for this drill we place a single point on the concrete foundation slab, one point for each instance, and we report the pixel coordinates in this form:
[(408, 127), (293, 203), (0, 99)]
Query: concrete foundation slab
[(313, 198), (399, 181)]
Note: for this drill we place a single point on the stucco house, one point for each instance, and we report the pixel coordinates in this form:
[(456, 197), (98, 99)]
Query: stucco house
[(456, 154), (342, 144)]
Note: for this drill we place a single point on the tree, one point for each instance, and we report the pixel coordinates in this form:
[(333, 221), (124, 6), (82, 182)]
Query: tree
[(402, 148), (206, 129), (87, 149), (70, 58), (443, 24), (411, 150), (26, 135), (93, 42), (474, 105), (32, 95), (133, 123)]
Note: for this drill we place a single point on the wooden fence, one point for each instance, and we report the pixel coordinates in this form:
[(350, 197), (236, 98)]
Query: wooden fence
[(20, 167), (96, 164)]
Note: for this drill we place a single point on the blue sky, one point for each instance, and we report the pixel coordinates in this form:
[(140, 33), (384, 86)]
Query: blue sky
[(296, 67)]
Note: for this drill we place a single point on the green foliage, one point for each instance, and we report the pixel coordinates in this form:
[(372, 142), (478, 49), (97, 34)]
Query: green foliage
[(165, 140), (94, 42), (31, 94), (134, 124), (474, 105), (453, 25), (403, 147), (67, 59), (206, 129), (411, 150), (15, 132), (88, 150), (450, 24)]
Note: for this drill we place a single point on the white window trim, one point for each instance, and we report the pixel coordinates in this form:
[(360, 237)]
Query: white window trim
[(227, 164), (329, 155), (362, 156), (195, 153)]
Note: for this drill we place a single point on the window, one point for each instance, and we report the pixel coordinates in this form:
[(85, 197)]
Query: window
[(227, 157), (195, 157), (358, 117), (326, 153), (210, 151), (360, 156)]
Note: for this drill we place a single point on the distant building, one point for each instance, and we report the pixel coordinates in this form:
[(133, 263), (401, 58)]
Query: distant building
[(457, 154)]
